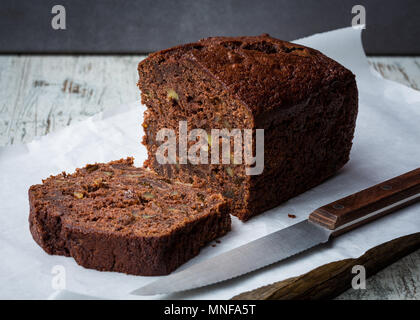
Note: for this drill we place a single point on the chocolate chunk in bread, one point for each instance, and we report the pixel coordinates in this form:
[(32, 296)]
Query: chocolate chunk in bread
[(306, 103), (116, 217)]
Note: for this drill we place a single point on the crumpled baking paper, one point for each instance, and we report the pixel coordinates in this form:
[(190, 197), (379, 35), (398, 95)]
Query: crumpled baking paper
[(386, 144)]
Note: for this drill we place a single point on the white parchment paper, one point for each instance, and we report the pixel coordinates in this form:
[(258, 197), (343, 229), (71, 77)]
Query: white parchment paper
[(387, 143)]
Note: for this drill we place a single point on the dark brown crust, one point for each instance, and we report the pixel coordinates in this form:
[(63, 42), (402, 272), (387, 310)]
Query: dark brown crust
[(262, 72), (306, 103), (59, 226)]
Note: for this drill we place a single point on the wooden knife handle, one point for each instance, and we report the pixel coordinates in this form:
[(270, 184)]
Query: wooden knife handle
[(369, 204)]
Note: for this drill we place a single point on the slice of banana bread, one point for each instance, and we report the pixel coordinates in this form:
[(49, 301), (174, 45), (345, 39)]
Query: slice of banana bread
[(306, 103), (116, 217)]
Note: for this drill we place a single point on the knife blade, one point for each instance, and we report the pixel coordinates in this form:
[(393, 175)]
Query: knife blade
[(324, 223)]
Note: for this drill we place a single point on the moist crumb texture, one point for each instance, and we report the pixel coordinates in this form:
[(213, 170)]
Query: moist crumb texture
[(306, 103), (116, 217)]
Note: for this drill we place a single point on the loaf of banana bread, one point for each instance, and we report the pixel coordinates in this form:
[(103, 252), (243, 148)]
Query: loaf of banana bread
[(116, 217), (305, 102)]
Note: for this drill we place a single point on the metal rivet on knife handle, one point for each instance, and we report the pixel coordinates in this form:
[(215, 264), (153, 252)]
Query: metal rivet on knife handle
[(386, 187), (364, 206)]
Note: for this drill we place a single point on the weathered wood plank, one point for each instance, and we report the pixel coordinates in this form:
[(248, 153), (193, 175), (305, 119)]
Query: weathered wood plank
[(398, 281), (405, 70), (43, 93), (330, 279)]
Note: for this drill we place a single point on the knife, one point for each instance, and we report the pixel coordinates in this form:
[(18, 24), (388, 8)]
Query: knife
[(323, 224)]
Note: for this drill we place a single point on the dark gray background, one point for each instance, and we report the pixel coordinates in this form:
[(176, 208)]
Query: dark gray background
[(118, 26)]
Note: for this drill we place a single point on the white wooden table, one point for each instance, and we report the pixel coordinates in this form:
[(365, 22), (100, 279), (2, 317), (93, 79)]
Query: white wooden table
[(40, 94)]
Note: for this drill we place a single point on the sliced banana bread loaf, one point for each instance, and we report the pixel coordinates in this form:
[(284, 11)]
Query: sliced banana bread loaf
[(116, 217), (306, 103)]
